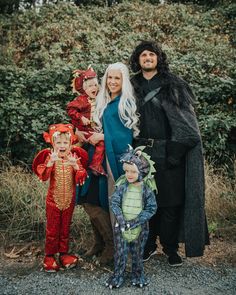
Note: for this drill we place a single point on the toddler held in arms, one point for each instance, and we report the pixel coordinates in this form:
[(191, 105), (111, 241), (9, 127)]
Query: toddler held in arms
[(81, 111)]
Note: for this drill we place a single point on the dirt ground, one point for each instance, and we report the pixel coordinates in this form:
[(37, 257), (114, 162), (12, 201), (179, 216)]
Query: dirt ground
[(22, 258)]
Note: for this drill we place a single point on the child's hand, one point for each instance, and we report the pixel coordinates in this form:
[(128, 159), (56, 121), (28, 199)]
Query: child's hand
[(122, 228), (72, 161), (85, 121), (53, 157), (81, 176), (131, 224), (127, 226), (81, 173), (121, 224)]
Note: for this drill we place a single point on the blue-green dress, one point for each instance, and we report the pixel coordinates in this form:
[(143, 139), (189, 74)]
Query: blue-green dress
[(116, 138)]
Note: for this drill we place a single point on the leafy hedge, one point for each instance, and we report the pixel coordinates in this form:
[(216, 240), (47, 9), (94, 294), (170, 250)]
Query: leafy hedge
[(40, 49)]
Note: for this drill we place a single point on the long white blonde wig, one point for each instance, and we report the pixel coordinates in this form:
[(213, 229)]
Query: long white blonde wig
[(127, 105)]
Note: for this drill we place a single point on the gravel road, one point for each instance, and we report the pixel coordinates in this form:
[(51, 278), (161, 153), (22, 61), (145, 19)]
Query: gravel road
[(191, 278)]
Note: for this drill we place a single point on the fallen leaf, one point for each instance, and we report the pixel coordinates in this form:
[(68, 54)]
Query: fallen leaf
[(12, 254)]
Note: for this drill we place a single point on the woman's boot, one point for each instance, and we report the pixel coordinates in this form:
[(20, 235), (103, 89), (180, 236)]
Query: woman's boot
[(101, 221), (98, 244), (103, 224)]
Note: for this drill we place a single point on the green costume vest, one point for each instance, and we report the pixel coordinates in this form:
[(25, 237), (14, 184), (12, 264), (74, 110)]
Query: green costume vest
[(132, 205)]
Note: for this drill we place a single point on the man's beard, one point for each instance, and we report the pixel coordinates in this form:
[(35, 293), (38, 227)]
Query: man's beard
[(148, 69)]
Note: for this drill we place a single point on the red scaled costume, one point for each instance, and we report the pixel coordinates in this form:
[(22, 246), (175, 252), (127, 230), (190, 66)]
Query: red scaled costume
[(84, 106), (60, 199)]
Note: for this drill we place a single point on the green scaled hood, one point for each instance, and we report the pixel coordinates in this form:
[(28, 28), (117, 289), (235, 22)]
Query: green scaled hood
[(144, 164)]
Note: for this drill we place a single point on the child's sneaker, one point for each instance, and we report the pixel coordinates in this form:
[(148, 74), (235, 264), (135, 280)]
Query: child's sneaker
[(68, 261), (50, 264)]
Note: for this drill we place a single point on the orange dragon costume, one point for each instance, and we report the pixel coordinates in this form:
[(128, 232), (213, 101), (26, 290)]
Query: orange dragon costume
[(60, 200)]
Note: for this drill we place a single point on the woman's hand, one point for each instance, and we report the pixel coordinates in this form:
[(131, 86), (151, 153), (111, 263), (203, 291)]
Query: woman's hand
[(95, 138), (81, 136), (85, 121)]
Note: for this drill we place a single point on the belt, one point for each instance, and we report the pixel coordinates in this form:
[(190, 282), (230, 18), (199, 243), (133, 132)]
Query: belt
[(148, 142)]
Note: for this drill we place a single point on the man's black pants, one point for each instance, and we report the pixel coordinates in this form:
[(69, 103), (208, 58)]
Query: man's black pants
[(166, 224)]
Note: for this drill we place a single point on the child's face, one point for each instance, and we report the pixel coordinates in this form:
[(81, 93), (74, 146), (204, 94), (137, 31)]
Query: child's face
[(131, 172), (62, 145), (91, 88)]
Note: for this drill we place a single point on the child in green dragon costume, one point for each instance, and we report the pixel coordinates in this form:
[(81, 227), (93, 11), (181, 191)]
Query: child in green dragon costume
[(133, 204)]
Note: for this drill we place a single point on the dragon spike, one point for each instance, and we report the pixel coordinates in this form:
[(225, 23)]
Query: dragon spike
[(152, 169), (141, 148), (130, 147), (90, 67)]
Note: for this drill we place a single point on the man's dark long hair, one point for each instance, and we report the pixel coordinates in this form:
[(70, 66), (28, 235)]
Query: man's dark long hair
[(171, 82), (162, 63)]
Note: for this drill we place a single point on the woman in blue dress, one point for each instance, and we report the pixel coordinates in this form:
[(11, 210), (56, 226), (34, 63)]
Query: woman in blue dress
[(117, 119), (116, 115)]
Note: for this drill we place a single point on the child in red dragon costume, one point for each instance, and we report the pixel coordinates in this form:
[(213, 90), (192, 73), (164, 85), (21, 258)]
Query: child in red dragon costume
[(64, 167), (81, 111)]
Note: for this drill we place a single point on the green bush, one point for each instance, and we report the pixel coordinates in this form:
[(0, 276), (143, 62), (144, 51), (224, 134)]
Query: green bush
[(32, 100), (40, 49)]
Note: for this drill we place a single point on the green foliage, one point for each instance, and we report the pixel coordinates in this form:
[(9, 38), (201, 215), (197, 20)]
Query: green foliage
[(41, 48), (9, 6), (31, 101), (200, 2), (217, 127), (212, 227), (89, 2)]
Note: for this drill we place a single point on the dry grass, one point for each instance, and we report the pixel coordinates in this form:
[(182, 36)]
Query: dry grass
[(220, 202), (21, 203), (22, 206)]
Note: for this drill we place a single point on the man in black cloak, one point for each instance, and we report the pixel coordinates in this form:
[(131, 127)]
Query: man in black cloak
[(169, 130)]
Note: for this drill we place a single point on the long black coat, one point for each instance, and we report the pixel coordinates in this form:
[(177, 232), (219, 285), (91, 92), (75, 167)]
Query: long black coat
[(169, 118)]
